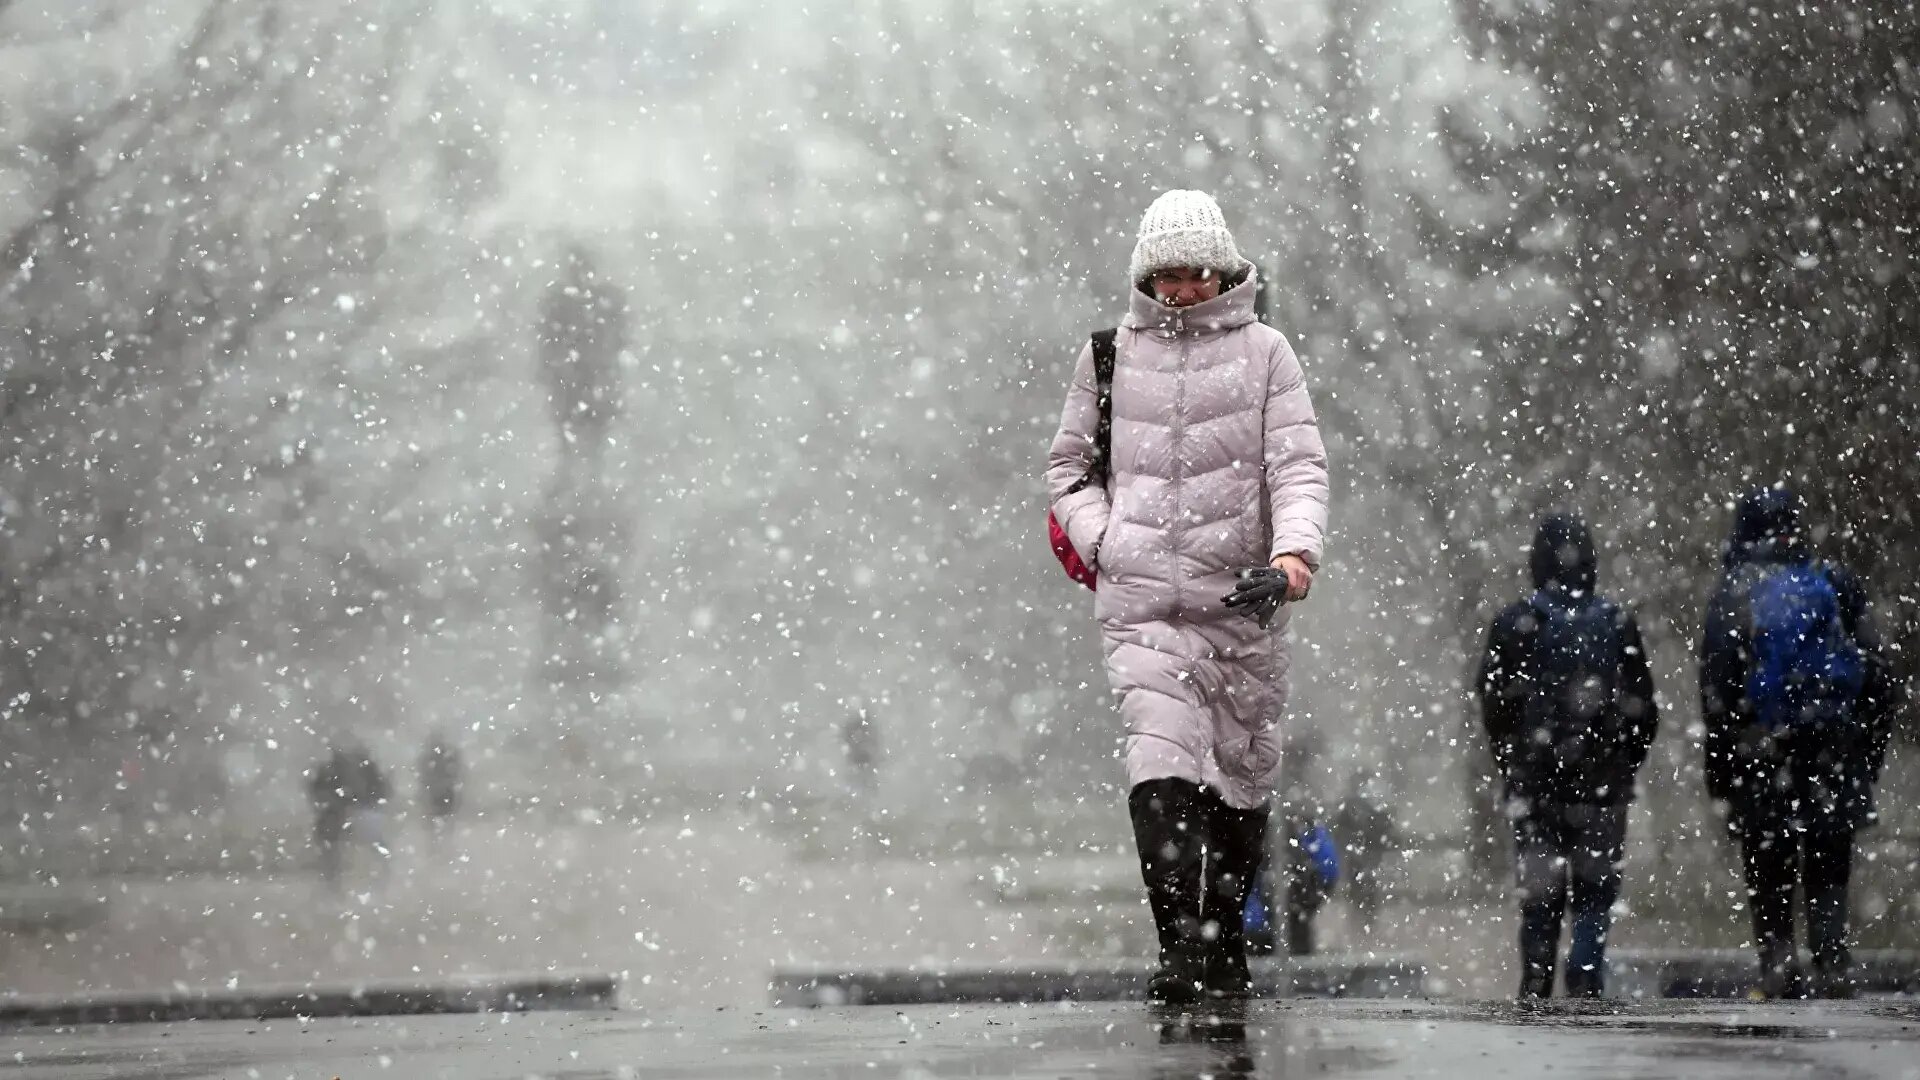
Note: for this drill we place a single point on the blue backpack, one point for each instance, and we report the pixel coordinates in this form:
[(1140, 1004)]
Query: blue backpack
[(1577, 648), (1323, 855), (1807, 671), (1323, 859)]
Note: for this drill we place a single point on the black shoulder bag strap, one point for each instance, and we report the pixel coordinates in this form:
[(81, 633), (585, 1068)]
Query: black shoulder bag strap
[(1104, 351)]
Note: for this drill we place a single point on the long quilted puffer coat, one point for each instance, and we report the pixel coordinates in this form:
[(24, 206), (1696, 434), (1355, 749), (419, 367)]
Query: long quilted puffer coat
[(1217, 465)]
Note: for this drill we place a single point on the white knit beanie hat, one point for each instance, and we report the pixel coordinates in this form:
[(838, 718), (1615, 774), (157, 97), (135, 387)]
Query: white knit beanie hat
[(1184, 228)]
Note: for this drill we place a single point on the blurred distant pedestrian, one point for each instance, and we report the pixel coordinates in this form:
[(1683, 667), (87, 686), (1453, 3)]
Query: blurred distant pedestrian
[(441, 777), (349, 794), (1313, 871), (1365, 827), (861, 734)]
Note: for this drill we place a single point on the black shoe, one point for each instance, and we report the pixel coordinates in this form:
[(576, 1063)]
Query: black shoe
[(1227, 977), (1172, 988), (1583, 984), (1179, 981), (1833, 984), (1785, 983)]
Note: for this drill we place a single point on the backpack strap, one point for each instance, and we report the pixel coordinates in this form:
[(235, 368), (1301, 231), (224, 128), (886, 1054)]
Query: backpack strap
[(1105, 353), (1824, 570)]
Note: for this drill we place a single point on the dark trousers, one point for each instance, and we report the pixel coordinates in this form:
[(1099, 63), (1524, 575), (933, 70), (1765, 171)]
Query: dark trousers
[(1796, 825), (1306, 895), (1567, 855), (1819, 859), (329, 840)]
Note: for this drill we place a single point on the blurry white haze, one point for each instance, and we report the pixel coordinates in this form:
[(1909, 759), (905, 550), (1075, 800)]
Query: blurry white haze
[(635, 394)]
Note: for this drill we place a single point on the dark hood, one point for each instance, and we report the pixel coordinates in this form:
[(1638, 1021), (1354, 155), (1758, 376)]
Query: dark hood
[(1563, 554), (1766, 528)]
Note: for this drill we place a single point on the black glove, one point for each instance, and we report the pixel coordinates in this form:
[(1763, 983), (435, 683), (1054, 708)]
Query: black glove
[(1259, 593)]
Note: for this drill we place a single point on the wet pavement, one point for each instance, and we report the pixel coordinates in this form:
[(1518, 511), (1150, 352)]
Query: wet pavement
[(1879, 1040)]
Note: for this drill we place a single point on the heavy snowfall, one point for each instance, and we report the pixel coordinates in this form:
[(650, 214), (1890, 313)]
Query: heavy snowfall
[(533, 487)]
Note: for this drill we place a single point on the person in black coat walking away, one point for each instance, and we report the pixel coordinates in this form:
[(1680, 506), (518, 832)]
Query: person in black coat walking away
[(861, 734), (441, 778), (1567, 699), (1798, 702), (349, 794), (1366, 830)]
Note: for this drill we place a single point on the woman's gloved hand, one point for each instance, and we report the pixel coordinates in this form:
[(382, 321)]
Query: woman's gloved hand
[(1259, 593)]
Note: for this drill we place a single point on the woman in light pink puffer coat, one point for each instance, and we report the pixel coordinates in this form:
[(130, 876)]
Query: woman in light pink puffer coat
[(1217, 466)]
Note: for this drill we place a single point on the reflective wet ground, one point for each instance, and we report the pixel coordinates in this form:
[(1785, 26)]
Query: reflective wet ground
[(1863, 1040)]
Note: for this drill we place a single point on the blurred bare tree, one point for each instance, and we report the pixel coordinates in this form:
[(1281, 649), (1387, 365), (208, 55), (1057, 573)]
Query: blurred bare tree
[(583, 533), (1725, 192), (227, 362)]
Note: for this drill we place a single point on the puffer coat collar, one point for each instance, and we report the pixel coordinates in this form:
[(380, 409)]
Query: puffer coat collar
[(1224, 312)]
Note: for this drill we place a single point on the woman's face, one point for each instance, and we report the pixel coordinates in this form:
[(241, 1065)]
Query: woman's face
[(1184, 286)]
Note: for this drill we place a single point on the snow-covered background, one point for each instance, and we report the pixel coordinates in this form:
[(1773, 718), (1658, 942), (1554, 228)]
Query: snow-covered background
[(635, 390)]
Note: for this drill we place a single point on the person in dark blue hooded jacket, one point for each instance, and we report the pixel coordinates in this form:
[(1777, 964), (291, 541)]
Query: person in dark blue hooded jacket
[(1797, 700), (1566, 696)]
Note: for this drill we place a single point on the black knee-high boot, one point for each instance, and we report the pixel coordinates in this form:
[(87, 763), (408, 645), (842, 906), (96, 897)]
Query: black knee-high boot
[(1240, 837), (1170, 829)]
